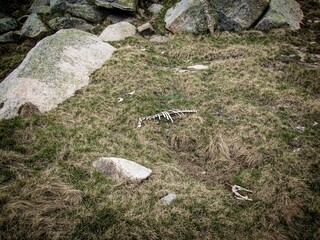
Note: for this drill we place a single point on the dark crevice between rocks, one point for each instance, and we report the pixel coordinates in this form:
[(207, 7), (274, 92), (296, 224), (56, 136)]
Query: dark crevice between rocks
[(264, 13), (1, 105)]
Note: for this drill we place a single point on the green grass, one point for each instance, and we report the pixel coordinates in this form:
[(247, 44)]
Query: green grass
[(249, 105)]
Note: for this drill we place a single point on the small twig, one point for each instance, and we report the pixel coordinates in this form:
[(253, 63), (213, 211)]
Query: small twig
[(166, 114)]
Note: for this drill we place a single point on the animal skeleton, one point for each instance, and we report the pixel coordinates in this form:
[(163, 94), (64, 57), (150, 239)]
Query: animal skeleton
[(236, 188), (166, 114)]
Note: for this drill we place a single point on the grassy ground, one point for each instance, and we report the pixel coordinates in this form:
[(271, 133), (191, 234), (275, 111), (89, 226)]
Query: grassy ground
[(257, 126)]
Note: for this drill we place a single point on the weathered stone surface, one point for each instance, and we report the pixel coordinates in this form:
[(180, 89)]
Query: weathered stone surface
[(52, 71), (188, 16), (237, 15), (9, 37), (122, 168), (145, 29), (126, 5), (118, 32), (87, 12), (159, 39), (155, 8), (167, 200), (33, 27), (281, 14), (58, 6), (120, 18), (69, 22), (38, 6), (8, 24)]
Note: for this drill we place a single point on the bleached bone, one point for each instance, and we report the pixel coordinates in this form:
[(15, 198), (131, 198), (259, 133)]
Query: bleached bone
[(166, 114), (120, 100), (236, 189)]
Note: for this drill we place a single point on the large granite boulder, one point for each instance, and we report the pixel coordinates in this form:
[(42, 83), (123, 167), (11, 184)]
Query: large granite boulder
[(187, 16), (122, 168), (87, 12), (118, 31), (126, 5), (34, 27), (52, 71), (8, 24), (281, 14), (237, 15)]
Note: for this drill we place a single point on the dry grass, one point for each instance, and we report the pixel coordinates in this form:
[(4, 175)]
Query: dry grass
[(245, 133)]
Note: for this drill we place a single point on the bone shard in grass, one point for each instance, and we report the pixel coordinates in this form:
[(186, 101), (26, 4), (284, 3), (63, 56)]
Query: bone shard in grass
[(166, 114), (236, 189)]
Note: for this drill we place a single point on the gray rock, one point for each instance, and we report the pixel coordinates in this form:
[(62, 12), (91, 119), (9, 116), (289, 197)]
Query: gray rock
[(237, 15), (281, 14), (87, 12), (186, 16), (59, 6), (122, 168), (34, 27), (69, 22), (52, 71), (120, 18), (155, 8), (38, 6), (126, 5), (145, 29), (159, 39), (118, 32), (9, 37), (167, 200), (8, 24)]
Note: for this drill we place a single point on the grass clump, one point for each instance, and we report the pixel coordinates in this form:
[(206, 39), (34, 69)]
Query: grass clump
[(247, 131)]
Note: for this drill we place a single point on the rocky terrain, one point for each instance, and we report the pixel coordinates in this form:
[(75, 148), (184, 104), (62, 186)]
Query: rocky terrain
[(191, 119)]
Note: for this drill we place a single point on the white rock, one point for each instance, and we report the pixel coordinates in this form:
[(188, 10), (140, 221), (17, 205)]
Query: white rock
[(159, 39), (119, 167), (52, 71), (169, 198), (198, 67), (118, 31), (155, 8)]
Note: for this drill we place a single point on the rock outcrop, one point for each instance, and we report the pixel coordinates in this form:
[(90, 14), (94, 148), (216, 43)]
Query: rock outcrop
[(126, 5), (237, 15), (186, 16), (122, 168), (52, 71), (198, 16), (8, 24), (281, 14)]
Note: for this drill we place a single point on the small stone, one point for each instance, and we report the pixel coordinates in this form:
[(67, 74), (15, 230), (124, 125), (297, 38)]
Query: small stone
[(9, 37), (120, 18), (87, 12), (167, 200), (198, 67), (159, 39), (59, 23), (8, 24), (145, 29), (118, 32), (119, 167), (38, 6), (155, 8)]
